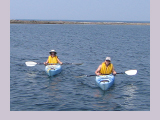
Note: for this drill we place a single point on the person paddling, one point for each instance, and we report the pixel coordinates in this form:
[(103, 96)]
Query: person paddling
[(106, 67), (53, 58)]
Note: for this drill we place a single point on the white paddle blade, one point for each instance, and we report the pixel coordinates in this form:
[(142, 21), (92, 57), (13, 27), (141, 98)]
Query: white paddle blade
[(131, 72), (30, 63)]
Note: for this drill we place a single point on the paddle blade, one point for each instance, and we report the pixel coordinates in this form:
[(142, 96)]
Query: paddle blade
[(131, 72), (30, 63)]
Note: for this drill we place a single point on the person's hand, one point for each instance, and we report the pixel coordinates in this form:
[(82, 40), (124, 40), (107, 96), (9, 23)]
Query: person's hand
[(98, 74), (114, 73), (45, 63)]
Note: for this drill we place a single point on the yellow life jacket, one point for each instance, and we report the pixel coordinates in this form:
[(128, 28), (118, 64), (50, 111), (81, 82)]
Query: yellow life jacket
[(52, 59), (105, 69)]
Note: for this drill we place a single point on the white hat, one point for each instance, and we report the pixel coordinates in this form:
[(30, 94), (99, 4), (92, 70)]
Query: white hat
[(108, 58), (53, 51)]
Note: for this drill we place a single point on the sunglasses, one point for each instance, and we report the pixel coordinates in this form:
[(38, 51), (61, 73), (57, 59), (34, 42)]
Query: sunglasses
[(52, 53), (108, 60)]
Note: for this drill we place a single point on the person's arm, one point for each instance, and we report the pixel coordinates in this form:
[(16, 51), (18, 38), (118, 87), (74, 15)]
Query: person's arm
[(59, 61), (45, 63), (97, 72), (113, 71)]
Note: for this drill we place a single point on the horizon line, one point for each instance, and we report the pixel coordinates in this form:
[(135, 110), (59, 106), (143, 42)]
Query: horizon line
[(85, 20)]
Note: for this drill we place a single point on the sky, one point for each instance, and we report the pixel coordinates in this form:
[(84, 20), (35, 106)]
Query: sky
[(106, 10)]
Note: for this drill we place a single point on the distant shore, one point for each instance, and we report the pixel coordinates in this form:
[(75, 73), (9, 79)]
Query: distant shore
[(70, 22)]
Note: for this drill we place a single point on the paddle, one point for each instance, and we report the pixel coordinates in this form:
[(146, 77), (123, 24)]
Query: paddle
[(128, 72), (31, 63)]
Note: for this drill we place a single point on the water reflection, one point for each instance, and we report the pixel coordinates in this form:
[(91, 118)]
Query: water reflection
[(53, 86), (31, 74), (53, 82), (104, 93), (129, 96), (105, 99)]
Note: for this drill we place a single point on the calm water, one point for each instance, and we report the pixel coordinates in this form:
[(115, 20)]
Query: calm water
[(32, 90)]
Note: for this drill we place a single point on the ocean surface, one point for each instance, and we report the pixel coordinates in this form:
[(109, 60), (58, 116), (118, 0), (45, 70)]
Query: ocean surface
[(32, 90)]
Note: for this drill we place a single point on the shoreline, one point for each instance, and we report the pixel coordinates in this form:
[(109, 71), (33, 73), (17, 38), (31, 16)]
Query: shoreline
[(70, 22)]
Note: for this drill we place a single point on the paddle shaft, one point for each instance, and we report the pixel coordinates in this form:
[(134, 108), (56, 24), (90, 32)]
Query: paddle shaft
[(128, 72), (30, 63), (62, 64), (103, 74)]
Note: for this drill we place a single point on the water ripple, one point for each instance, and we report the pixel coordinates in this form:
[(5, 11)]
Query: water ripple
[(32, 90)]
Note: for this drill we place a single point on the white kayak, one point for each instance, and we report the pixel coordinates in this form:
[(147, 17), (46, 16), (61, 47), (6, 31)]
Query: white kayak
[(52, 70), (105, 81)]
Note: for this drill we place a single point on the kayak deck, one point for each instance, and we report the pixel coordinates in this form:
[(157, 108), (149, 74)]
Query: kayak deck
[(105, 81), (52, 70)]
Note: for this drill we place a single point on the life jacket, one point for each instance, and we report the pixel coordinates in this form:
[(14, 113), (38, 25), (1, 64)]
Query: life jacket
[(105, 69), (52, 59)]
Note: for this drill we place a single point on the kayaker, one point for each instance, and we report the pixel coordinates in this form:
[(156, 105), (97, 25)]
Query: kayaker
[(106, 67), (53, 58)]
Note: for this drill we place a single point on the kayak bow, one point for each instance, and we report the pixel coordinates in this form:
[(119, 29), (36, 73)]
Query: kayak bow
[(105, 81), (52, 70)]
